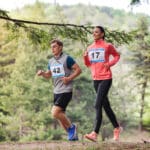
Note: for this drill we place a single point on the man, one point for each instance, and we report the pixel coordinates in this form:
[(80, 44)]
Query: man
[(63, 69)]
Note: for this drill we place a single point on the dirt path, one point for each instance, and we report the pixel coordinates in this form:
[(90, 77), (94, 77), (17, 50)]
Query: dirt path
[(75, 146)]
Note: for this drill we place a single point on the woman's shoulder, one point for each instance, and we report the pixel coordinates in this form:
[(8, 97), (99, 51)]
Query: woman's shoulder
[(91, 45), (108, 44)]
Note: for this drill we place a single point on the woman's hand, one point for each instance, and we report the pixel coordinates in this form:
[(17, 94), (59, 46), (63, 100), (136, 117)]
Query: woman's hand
[(106, 66), (86, 53)]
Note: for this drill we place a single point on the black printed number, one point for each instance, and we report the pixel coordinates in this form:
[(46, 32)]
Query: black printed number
[(56, 70), (95, 55)]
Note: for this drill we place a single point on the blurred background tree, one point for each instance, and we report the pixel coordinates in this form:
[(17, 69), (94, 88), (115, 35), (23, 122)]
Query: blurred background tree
[(26, 100)]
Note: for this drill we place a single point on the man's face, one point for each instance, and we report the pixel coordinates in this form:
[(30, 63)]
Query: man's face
[(56, 49), (97, 34)]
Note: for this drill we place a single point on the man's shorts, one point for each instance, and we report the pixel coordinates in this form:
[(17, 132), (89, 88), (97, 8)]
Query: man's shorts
[(62, 99)]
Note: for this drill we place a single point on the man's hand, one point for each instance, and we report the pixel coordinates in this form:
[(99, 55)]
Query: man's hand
[(40, 72), (65, 80), (76, 71)]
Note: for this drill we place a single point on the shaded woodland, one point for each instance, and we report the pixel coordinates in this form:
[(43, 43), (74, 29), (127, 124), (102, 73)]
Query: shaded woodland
[(26, 100)]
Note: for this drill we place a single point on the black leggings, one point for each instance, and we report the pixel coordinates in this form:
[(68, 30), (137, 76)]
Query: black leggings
[(102, 87)]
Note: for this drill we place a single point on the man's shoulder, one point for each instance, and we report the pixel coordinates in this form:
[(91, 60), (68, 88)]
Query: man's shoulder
[(68, 56), (50, 59)]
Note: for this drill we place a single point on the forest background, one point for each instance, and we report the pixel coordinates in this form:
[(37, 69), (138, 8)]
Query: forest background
[(26, 100)]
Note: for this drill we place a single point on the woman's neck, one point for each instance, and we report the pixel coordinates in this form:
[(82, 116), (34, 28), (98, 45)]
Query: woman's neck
[(98, 40)]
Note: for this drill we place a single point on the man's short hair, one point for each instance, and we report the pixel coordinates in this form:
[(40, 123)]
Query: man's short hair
[(60, 43)]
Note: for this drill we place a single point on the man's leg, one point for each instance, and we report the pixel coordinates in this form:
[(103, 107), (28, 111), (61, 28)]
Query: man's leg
[(61, 101), (70, 128), (60, 115)]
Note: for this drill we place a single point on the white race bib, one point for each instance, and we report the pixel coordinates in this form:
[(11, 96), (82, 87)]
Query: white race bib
[(97, 55), (57, 70)]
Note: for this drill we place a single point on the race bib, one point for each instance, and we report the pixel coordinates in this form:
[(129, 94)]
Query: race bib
[(57, 71), (97, 55)]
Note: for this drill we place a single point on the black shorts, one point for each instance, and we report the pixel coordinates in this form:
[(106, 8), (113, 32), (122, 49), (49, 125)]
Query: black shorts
[(62, 99)]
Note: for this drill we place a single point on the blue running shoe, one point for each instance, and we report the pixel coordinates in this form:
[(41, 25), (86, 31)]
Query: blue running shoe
[(72, 133)]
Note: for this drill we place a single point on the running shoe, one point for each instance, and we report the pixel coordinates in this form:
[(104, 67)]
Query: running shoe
[(72, 133), (91, 136), (117, 132)]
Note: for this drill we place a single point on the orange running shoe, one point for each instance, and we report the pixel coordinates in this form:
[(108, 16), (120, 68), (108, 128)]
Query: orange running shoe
[(91, 136), (117, 132)]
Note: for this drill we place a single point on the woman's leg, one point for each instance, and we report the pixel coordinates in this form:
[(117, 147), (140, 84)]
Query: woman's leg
[(110, 113), (102, 88)]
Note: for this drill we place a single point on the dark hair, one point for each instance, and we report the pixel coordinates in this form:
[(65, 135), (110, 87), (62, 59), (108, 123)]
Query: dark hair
[(57, 41), (102, 30)]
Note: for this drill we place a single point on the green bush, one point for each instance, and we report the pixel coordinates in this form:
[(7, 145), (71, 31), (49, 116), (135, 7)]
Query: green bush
[(2, 135)]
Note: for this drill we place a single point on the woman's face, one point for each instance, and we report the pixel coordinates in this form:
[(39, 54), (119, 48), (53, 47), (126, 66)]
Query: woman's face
[(97, 34)]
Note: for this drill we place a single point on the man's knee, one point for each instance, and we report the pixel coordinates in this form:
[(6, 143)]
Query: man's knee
[(55, 112)]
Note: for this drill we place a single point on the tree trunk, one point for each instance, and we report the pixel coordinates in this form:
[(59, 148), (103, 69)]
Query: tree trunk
[(55, 124), (144, 85)]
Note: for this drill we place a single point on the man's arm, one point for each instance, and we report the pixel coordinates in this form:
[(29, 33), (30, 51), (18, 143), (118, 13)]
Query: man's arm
[(45, 74), (76, 71)]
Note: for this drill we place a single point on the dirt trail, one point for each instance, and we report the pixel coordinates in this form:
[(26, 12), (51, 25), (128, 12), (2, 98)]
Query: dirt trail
[(75, 146), (133, 141)]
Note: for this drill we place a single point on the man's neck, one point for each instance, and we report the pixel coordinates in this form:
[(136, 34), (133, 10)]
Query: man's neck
[(57, 56)]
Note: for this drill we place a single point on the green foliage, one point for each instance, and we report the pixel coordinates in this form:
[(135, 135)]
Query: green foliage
[(134, 2), (26, 99), (138, 2), (41, 35), (119, 37), (141, 59), (3, 13), (2, 135), (141, 49)]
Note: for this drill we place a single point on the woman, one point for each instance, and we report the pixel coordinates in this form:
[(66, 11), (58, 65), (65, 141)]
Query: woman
[(96, 57)]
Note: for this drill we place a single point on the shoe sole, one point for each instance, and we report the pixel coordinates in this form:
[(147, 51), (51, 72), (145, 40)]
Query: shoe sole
[(93, 140), (76, 139)]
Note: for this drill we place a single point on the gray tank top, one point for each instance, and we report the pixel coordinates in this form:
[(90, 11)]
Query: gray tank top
[(59, 69)]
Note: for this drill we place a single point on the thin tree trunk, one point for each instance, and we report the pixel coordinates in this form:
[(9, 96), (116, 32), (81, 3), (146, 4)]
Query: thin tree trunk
[(20, 125), (144, 85), (55, 124)]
